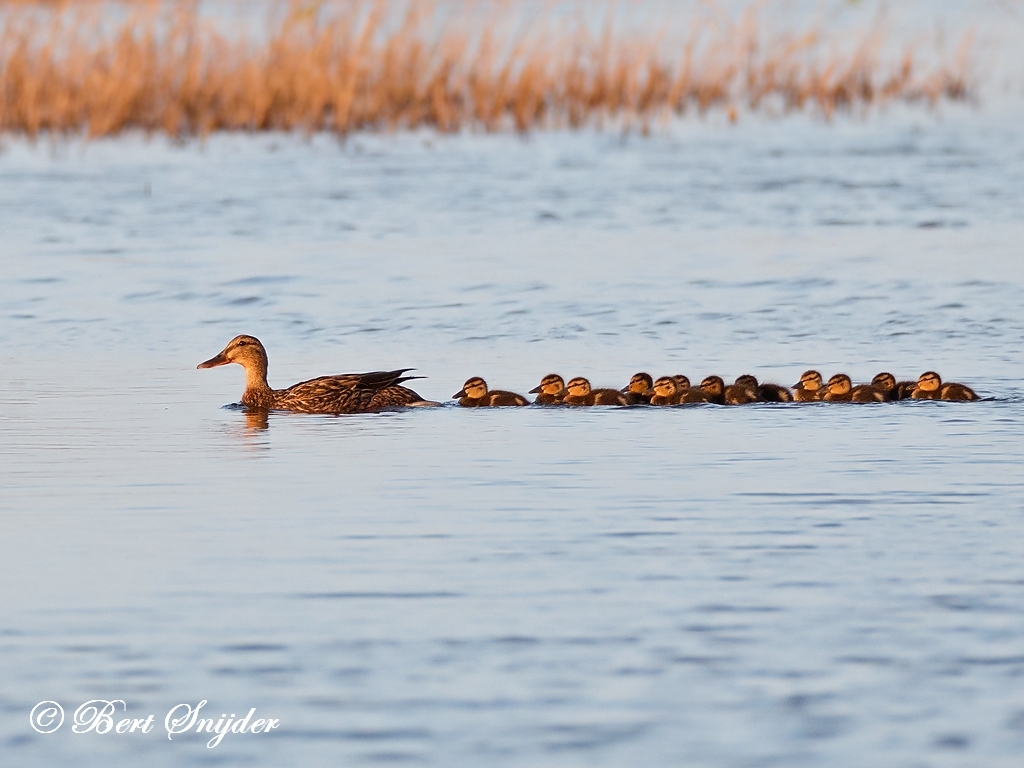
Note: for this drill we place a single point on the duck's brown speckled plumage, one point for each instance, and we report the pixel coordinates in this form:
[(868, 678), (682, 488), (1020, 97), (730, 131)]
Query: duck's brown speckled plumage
[(345, 393)]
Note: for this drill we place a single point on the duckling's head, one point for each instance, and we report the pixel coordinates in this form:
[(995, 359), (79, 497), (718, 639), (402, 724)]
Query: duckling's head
[(810, 380), (713, 385), (578, 387), (640, 383), (746, 380), (247, 351), (929, 381), (839, 384), (885, 381), (664, 387), (474, 388), (682, 382), (551, 384)]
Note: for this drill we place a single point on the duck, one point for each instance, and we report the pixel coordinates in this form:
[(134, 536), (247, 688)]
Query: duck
[(769, 393), (892, 389), (809, 389), (713, 388), (840, 389), (664, 391), (344, 393), (685, 394), (579, 392), (930, 387), (636, 391), (549, 390), (475, 394)]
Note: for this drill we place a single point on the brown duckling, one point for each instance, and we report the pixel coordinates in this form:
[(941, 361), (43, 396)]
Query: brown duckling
[(713, 388), (769, 393), (345, 393), (892, 389), (840, 389), (810, 388), (579, 392), (475, 394), (664, 391), (636, 391), (685, 394), (930, 387), (549, 390)]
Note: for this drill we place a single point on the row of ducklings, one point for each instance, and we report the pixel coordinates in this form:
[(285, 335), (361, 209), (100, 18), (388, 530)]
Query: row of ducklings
[(676, 390)]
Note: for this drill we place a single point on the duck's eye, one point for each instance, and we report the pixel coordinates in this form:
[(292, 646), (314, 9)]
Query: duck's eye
[(242, 343)]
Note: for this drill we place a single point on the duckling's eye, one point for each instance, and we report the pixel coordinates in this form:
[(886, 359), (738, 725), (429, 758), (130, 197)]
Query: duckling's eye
[(241, 343)]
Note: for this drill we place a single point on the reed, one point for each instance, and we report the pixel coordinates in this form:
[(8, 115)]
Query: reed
[(104, 67)]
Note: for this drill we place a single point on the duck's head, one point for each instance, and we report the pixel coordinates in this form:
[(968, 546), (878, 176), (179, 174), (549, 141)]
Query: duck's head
[(840, 384), (929, 381), (639, 384), (885, 381), (810, 381), (713, 385), (247, 351), (578, 387), (746, 380), (682, 382), (551, 384), (663, 387), (474, 388)]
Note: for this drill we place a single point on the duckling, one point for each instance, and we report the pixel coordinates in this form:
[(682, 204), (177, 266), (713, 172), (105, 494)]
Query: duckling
[(685, 394), (954, 391), (742, 394), (664, 391), (714, 389), (892, 389), (549, 390), (636, 391), (809, 389), (769, 393), (345, 393), (579, 392), (930, 387), (475, 394), (840, 389)]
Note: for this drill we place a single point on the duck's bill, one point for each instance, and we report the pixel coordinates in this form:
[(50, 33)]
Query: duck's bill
[(213, 362), (459, 395), (536, 390)]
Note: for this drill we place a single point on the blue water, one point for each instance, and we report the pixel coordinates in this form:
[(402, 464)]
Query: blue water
[(768, 585)]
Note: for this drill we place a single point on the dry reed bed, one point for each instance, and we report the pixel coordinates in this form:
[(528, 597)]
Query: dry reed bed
[(106, 67)]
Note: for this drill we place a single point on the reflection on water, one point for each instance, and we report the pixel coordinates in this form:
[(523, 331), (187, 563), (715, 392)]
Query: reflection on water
[(787, 585)]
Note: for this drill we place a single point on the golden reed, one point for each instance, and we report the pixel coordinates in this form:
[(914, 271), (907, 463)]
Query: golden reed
[(103, 67)]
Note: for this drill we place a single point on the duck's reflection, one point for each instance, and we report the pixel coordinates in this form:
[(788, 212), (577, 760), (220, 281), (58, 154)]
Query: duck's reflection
[(257, 420)]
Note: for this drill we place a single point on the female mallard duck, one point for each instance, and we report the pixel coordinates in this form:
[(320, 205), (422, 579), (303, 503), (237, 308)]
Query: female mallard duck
[(475, 394), (636, 391), (579, 392), (810, 388), (840, 389), (769, 393), (346, 393), (892, 389), (664, 391), (549, 391), (930, 387)]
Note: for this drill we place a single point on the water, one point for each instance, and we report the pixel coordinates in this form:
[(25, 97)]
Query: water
[(770, 585)]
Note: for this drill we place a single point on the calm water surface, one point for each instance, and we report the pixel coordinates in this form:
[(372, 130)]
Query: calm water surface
[(771, 585)]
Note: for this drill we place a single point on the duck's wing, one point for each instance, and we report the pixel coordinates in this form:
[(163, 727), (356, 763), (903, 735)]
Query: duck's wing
[(345, 393)]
